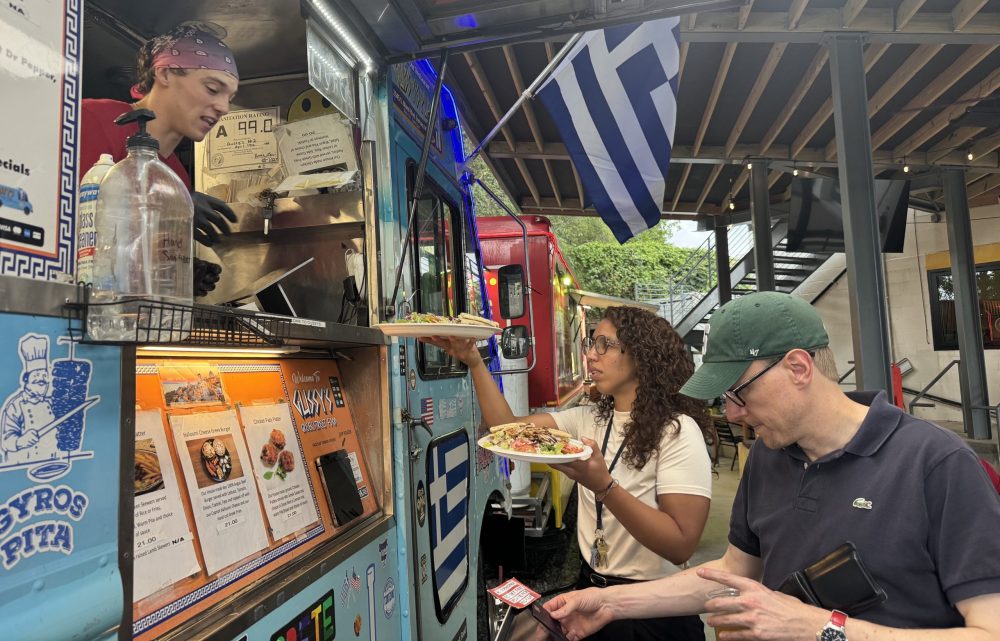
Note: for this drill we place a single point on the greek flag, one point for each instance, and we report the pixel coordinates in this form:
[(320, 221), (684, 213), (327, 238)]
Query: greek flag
[(613, 99), (448, 502)]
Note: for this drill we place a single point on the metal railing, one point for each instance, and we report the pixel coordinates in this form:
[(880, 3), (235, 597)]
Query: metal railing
[(923, 392), (686, 287)]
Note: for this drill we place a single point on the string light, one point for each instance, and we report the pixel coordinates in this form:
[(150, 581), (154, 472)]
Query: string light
[(749, 165), (969, 156), (795, 172), (906, 169), (732, 205)]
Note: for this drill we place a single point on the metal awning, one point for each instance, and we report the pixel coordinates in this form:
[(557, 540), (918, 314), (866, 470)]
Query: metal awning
[(593, 299), (755, 82), (401, 30)]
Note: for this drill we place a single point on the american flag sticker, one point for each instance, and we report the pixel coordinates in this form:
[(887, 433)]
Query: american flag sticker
[(427, 411)]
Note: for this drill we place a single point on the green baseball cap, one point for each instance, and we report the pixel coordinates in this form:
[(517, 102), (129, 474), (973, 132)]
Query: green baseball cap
[(754, 326)]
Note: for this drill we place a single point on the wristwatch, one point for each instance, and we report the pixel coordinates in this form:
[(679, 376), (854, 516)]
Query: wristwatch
[(834, 629)]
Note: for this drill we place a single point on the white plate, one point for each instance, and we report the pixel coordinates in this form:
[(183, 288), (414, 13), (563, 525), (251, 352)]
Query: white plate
[(538, 458), (458, 330)]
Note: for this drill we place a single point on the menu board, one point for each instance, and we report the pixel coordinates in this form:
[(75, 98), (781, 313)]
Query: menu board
[(279, 468), (163, 543), (241, 443), (223, 496)]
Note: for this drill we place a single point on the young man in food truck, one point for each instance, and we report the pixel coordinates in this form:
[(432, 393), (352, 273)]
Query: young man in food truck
[(188, 78)]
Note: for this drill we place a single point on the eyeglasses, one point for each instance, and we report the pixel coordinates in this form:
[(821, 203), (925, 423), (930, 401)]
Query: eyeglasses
[(600, 344), (733, 395)]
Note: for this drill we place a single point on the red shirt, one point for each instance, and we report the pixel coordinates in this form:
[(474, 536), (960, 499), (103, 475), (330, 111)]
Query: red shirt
[(992, 473), (100, 135)]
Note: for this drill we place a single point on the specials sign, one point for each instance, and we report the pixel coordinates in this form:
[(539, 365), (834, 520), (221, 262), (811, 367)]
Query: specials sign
[(40, 73)]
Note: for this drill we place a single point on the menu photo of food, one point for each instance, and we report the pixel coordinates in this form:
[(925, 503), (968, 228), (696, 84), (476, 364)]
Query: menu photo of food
[(191, 385), (281, 476), (148, 477), (215, 460), (274, 455)]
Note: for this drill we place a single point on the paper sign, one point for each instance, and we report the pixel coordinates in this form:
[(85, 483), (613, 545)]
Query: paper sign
[(316, 143), (163, 544), (279, 468), (39, 70), (223, 496), (515, 594), (243, 141)]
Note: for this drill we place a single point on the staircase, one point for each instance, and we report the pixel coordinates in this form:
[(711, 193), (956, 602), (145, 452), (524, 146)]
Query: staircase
[(692, 294)]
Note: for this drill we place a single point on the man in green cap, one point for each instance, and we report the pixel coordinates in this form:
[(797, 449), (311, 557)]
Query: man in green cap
[(829, 468)]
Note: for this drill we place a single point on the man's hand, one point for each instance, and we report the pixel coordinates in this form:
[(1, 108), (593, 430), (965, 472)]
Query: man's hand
[(29, 438), (581, 613), (210, 215), (206, 275), (764, 615)]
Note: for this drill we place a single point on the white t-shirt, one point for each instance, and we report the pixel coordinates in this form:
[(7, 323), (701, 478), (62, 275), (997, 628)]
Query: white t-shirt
[(680, 465)]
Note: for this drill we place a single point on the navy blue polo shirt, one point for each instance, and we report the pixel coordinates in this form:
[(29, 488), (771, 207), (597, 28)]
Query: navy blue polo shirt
[(912, 497)]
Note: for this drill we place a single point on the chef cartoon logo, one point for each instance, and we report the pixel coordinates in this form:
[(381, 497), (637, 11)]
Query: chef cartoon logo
[(42, 422)]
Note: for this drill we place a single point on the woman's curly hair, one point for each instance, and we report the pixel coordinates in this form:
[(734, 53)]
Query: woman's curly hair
[(662, 366)]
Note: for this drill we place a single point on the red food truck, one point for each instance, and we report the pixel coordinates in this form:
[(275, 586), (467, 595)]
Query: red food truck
[(557, 378)]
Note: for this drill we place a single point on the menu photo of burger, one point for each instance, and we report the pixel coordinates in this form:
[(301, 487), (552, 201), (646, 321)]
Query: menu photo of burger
[(215, 460), (274, 455)]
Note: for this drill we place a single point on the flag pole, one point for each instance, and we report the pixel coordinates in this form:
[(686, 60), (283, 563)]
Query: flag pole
[(528, 93)]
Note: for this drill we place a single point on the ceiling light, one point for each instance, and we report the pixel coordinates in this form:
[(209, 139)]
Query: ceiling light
[(906, 169), (969, 156), (732, 205), (795, 172), (749, 165)]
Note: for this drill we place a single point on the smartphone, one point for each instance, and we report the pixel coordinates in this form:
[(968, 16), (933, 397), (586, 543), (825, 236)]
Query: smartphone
[(340, 487), (542, 616)]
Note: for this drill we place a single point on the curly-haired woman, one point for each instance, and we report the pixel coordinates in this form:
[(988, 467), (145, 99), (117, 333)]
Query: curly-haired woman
[(645, 490)]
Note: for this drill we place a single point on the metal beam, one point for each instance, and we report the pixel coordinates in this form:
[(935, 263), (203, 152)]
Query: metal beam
[(909, 68), (967, 319), (880, 25), (722, 267), (937, 124), (480, 76), (869, 319), (955, 72), (549, 208), (806, 159), (763, 252), (872, 55)]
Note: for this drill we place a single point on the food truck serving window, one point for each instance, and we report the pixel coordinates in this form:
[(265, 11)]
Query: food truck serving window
[(439, 271)]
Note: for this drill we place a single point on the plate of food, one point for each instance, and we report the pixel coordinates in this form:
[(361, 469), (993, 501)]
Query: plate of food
[(216, 459), (534, 444), (148, 477), (461, 326)]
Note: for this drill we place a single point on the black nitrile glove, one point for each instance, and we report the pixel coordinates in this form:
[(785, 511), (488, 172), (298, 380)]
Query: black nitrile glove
[(210, 215), (206, 275)]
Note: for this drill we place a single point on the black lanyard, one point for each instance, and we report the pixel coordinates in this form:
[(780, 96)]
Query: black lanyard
[(604, 448)]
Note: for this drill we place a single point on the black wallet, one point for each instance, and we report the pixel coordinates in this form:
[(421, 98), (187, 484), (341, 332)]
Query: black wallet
[(838, 581)]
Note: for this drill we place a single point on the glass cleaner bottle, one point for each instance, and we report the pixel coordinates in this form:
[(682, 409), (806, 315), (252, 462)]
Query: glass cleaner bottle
[(90, 188), (143, 250)]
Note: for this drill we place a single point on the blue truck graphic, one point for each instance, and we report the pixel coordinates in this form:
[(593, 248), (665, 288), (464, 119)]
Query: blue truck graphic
[(16, 198)]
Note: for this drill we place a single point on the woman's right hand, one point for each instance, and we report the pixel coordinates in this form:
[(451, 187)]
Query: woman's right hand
[(464, 349)]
